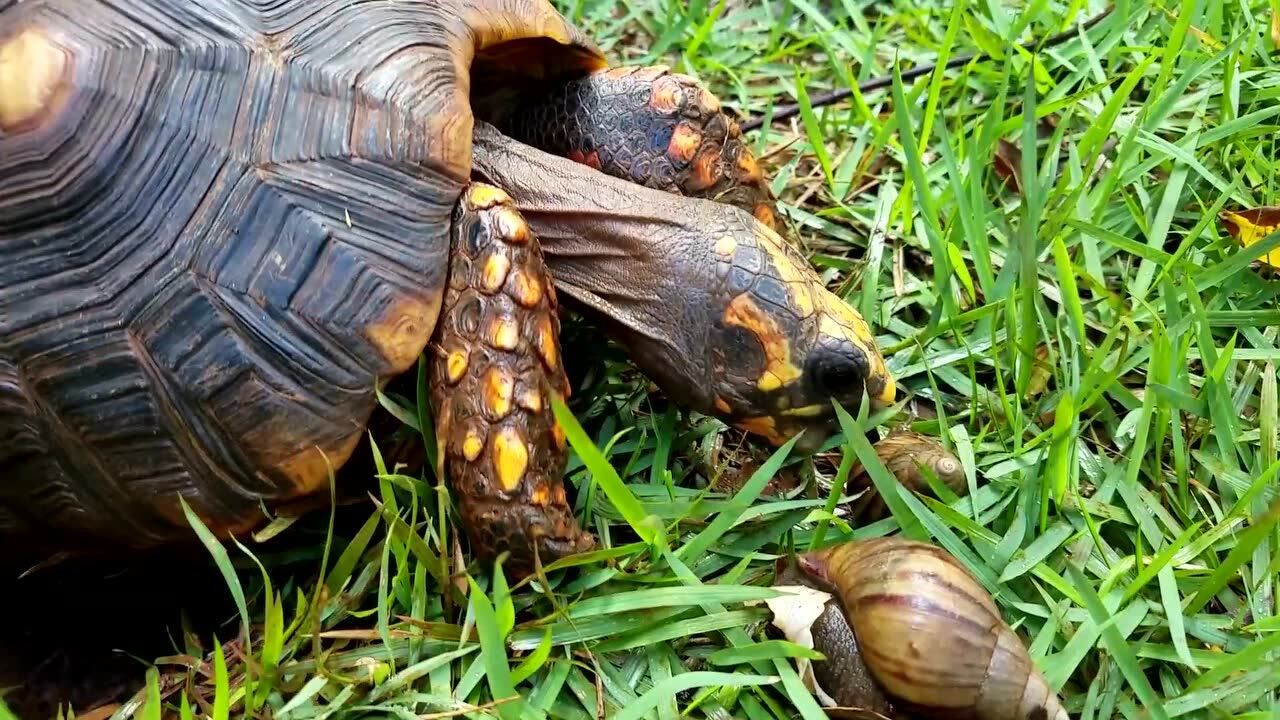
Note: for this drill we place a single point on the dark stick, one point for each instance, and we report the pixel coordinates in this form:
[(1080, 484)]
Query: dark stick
[(884, 81)]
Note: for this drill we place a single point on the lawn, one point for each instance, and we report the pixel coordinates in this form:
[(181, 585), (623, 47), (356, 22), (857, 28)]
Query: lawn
[(1037, 239)]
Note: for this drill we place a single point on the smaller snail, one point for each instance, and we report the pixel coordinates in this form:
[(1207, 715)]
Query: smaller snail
[(903, 453), (925, 631)]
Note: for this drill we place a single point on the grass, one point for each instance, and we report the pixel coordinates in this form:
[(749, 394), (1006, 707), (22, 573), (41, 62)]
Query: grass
[(1036, 240)]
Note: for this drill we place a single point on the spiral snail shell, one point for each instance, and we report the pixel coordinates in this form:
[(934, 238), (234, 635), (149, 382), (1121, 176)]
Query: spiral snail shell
[(931, 636), (903, 454)]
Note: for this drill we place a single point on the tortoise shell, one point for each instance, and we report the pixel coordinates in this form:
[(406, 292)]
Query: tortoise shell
[(223, 225)]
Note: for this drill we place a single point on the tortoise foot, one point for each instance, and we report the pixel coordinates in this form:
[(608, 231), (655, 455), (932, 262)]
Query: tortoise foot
[(498, 362), (650, 126)]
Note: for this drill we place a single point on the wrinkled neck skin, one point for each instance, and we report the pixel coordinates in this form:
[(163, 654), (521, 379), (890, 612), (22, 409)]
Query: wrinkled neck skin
[(622, 253)]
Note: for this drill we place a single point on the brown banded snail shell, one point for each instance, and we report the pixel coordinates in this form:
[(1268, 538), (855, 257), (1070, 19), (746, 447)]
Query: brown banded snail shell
[(903, 453), (930, 634)]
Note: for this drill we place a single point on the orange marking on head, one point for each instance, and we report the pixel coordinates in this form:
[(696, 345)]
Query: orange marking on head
[(512, 226), (722, 406), (530, 400), (547, 343), (456, 365), (577, 156), (592, 160), (481, 196), (510, 458), (34, 75), (764, 427), (495, 273), (667, 95), (504, 333), (472, 445), (725, 247), (526, 288), (685, 140), (499, 386), (779, 370), (706, 169)]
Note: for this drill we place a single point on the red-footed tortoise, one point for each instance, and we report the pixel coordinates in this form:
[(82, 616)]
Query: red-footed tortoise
[(225, 224)]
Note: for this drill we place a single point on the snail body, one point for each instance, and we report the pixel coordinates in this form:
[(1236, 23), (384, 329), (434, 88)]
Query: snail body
[(929, 633)]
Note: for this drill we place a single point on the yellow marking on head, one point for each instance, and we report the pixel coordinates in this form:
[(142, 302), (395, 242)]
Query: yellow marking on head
[(540, 496), (547, 342), (472, 445), (684, 143), (456, 365), (530, 400), (526, 288), (510, 458), (33, 78), (511, 226), (800, 279), (504, 333), (495, 273), (499, 386), (403, 331), (765, 427), (725, 247), (779, 370), (481, 196), (722, 406)]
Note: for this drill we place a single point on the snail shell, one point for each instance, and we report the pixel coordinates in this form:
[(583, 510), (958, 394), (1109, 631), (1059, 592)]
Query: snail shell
[(929, 632), (842, 675), (903, 453)]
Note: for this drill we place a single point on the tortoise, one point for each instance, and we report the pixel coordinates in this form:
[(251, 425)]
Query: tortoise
[(226, 225)]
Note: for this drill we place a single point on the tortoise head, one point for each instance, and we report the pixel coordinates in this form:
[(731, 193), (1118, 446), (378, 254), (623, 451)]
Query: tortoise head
[(715, 307), (780, 345)]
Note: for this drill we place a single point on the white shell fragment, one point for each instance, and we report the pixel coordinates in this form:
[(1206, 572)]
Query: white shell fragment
[(794, 613)]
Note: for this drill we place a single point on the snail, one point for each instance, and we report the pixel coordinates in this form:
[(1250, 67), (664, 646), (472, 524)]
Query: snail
[(921, 637), (903, 453)]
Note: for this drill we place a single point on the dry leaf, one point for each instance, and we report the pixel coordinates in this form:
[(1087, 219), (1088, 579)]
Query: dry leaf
[(1007, 163), (1275, 23), (1251, 226), (794, 613)]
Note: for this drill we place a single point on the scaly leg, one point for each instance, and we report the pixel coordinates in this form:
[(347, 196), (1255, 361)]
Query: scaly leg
[(498, 361), (650, 126)]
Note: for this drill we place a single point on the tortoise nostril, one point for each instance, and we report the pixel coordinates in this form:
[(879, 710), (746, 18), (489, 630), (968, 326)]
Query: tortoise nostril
[(838, 373)]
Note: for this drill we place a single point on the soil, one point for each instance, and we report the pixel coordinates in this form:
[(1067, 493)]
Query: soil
[(82, 633)]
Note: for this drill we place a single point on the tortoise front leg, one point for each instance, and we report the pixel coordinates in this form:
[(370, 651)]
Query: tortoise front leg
[(651, 126), (497, 361)]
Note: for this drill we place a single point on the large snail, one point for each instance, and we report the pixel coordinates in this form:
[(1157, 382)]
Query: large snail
[(910, 633)]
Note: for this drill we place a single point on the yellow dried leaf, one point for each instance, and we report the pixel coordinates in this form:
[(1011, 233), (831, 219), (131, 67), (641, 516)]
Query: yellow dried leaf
[(1251, 226), (1275, 23)]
